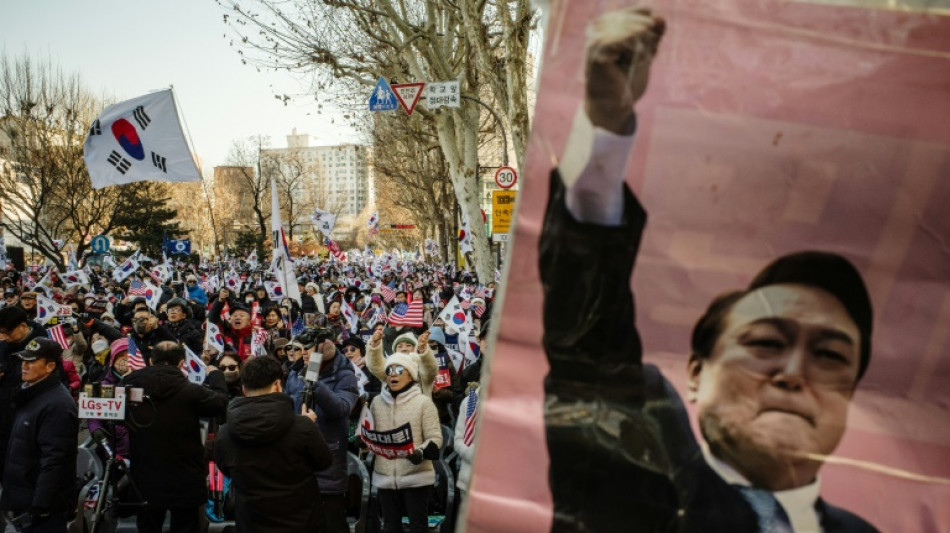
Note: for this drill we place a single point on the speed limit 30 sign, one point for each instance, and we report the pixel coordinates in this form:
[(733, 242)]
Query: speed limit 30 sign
[(506, 177)]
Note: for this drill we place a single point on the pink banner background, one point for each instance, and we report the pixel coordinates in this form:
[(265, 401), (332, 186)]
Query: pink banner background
[(768, 127)]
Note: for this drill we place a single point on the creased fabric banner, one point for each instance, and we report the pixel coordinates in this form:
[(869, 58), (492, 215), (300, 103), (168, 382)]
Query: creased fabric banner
[(768, 128)]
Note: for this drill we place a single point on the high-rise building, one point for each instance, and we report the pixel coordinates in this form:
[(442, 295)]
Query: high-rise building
[(336, 178)]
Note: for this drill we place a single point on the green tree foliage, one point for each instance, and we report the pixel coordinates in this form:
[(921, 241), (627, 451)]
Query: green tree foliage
[(144, 216)]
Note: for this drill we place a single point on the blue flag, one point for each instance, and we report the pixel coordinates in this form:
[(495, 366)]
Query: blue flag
[(182, 246)]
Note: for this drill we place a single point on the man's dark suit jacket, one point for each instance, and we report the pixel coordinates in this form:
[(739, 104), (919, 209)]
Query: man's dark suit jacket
[(623, 456)]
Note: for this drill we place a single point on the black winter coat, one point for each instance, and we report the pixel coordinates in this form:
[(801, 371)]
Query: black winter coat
[(10, 382), (187, 332), (41, 465), (272, 456), (146, 343), (167, 454)]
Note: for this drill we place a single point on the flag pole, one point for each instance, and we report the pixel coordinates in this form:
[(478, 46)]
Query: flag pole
[(191, 146)]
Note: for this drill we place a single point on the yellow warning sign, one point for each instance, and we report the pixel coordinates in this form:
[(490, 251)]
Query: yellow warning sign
[(502, 210)]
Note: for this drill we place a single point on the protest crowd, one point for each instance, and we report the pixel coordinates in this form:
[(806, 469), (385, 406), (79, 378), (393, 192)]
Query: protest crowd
[(344, 403)]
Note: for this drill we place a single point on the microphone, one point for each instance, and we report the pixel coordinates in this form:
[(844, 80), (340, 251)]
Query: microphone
[(102, 437)]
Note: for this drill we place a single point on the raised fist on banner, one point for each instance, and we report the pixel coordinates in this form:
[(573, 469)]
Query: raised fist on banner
[(621, 46)]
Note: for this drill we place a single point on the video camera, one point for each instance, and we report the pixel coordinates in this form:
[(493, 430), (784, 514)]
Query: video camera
[(314, 337)]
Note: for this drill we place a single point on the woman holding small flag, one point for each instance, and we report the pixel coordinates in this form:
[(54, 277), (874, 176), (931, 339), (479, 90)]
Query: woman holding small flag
[(405, 476)]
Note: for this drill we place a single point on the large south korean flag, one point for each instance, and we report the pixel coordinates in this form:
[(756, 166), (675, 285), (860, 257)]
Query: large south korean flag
[(139, 140)]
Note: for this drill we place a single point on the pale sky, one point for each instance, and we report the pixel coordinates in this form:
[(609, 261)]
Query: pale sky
[(129, 48)]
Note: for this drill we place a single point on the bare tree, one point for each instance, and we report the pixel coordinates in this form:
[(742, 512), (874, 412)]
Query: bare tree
[(415, 176), (45, 191), (347, 44), (250, 198)]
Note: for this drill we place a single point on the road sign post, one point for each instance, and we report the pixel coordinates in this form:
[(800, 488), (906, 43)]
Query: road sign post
[(408, 94), (383, 97), (502, 210), (506, 177), (443, 94), (99, 244)]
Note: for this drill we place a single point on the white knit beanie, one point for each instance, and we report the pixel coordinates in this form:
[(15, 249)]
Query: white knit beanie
[(409, 361)]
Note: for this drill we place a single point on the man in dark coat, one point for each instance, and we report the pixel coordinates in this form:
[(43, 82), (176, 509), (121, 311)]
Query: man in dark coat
[(334, 395), (271, 455), (16, 331), (40, 472), (772, 370), (167, 454), (185, 330), (147, 332)]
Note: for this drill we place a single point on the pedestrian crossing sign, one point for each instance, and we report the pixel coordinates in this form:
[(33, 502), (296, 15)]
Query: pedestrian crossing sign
[(383, 97)]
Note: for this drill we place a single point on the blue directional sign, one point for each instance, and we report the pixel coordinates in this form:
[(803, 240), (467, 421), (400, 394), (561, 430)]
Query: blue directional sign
[(383, 97), (99, 244)]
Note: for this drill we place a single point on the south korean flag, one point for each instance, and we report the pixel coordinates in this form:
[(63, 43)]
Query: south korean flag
[(324, 221), (139, 140)]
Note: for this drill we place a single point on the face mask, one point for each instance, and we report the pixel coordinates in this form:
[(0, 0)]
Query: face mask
[(100, 346), (249, 300), (231, 377), (141, 329)]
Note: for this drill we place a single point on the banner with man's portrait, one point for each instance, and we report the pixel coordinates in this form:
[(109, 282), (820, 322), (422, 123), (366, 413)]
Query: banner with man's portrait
[(728, 303)]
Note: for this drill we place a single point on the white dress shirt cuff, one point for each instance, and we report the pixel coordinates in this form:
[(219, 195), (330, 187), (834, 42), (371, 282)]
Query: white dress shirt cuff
[(593, 170)]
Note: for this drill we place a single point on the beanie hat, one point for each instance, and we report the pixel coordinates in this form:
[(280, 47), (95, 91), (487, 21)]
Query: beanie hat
[(406, 360), (408, 337), (436, 334), (119, 345)]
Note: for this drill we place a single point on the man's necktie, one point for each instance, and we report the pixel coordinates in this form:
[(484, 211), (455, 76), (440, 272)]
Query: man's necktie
[(772, 517)]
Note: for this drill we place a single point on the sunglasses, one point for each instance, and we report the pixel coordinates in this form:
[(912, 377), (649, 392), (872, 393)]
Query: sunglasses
[(296, 349), (230, 368), (395, 370)]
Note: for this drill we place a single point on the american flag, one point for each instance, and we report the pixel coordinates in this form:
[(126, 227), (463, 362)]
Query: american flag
[(388, 294), (297, 327), (57, 334), (407, 315), (137, 288), (471, 415), (136, 361), (479, 310)]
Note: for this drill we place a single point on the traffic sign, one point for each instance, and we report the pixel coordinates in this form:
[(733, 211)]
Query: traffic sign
[(408, 94), (502, 210), (99, 244), (506, 177), (383, 97), (443, 94)]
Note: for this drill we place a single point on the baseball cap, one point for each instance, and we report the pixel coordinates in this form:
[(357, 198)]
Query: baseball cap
[(42, 348)]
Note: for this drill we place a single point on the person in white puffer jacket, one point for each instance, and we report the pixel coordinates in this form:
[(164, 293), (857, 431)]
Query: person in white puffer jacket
[(404, 483)]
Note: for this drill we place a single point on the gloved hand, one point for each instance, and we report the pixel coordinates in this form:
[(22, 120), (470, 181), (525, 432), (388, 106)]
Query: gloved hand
[(415, 457), (431, 451)]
